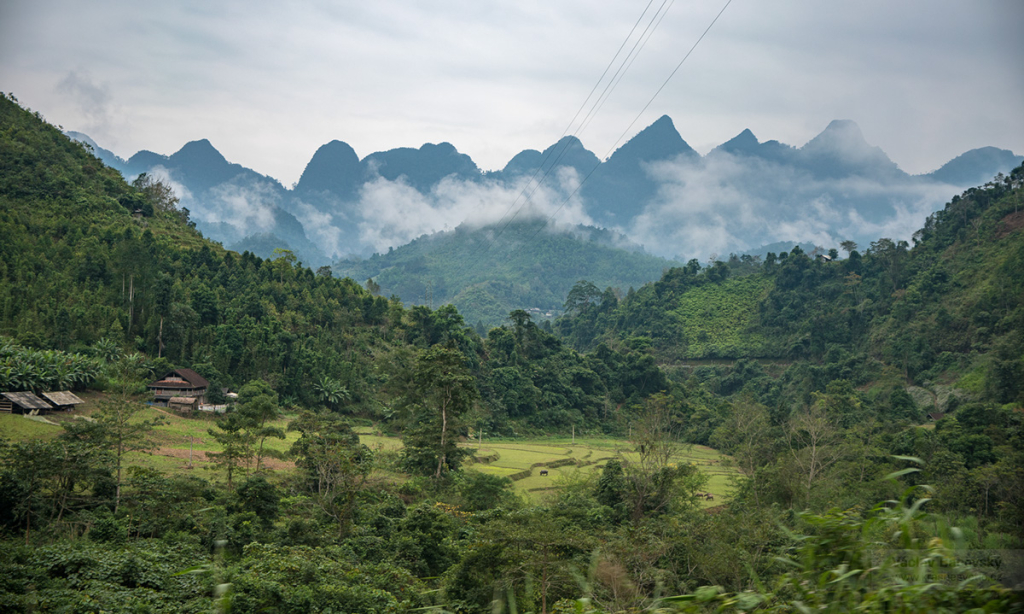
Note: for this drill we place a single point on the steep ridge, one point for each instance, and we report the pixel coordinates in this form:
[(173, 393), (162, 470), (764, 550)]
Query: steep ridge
[(655, 188), (948, 308)]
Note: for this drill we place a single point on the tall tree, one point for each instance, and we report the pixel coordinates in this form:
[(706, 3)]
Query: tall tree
[(653, 481), (443, 393), (335, 463), (118, 428)]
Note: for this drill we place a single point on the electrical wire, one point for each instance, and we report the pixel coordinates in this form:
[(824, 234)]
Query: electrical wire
[(638, 115)]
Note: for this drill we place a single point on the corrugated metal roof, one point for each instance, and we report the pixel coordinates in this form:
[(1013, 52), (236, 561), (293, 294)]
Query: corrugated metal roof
[(27, 400), (63, 398)]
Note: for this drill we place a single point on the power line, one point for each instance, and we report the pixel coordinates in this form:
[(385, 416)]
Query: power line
[(641, 42), (624, 66), (640, 114), (544, 169)]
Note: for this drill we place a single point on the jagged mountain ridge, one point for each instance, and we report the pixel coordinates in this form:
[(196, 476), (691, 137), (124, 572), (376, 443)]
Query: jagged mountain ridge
[(648, 189)]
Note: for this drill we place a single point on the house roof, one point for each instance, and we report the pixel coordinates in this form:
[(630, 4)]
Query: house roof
[(26, 400), (62, 398), (192, 380), (182, 400), (936, 415)]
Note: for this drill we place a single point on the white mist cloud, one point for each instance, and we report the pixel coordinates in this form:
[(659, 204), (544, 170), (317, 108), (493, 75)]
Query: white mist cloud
[(724, 203), (394, 213), (92, 101), (248, 209), (321, 228)]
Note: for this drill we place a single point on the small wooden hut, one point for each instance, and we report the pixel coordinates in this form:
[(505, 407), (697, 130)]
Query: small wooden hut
[(23, 403), (63, 400), (184, 405)]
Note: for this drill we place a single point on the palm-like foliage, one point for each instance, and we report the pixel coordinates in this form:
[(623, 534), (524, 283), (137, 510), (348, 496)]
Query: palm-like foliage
[(331, 391), (27, 369), (107, 350)]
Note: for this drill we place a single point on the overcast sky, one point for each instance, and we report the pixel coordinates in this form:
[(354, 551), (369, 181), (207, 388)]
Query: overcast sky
[(269, 82)]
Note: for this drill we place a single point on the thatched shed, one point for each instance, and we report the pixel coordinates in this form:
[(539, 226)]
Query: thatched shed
[(63, 400), (22, 403), (182, 404)]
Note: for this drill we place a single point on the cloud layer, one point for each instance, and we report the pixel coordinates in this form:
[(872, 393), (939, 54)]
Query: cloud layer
[(269, 82), (392, 213), (725, 203)]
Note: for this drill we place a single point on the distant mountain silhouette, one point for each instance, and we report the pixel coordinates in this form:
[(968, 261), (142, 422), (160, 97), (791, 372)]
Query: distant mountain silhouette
[(424, 167), (975, 166), (841, 151), (655, 188), (108, 157), (334, 170), (745, 144), (621, 187), (568, 152)]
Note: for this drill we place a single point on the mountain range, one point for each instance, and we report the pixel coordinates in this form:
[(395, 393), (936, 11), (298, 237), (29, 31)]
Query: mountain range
[(655, 189)]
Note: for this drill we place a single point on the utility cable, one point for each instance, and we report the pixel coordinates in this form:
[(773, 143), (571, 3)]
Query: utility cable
[(638, 45), (600, 79), (640, 114)]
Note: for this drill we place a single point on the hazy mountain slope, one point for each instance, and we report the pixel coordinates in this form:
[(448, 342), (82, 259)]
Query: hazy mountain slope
[(976, 166), (487, 272), (949, 307), (655, 189), (334, 171), (621, 187)]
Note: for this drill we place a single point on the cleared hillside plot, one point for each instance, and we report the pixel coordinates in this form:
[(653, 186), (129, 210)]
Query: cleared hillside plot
[(523, 461), (718, 320), (20, 428)]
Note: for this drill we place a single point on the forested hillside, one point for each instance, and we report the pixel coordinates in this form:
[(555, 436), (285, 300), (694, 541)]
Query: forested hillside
[(948, 308), (490, 271), (844, 497), (83, 271)]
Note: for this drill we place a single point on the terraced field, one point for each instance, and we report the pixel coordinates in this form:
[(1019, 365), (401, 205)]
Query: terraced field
[(523, 460)]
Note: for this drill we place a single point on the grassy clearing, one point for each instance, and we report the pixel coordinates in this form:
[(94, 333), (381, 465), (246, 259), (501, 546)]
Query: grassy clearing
[(588, 456), (581, 458), (19, 428)]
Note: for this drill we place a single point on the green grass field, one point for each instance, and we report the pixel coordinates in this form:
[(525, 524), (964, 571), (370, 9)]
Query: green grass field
[(521, 459), (19, 428), (587, 457)]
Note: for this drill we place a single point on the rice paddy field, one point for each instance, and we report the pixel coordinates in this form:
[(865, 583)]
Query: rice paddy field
[(182, 442), (523, 460)]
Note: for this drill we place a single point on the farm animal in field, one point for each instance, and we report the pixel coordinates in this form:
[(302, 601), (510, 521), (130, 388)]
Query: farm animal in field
[(543, 472), (709, 497)]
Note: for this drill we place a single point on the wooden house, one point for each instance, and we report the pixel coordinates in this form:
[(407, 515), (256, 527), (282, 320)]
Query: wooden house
[(179, 383), (22, 403), (64, 400)]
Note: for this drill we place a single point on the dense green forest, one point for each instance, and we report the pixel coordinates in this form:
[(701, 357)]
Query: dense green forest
[(814, 376), (489, 271)]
